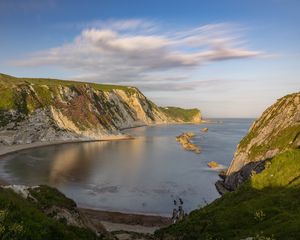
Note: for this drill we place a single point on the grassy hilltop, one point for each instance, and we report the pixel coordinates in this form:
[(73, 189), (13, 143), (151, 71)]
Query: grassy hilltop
[(45, 89)]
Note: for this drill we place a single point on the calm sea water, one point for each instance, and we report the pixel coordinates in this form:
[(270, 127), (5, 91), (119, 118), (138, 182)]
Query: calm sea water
[(141, 175)]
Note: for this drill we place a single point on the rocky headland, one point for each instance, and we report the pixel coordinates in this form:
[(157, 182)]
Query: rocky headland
[(277, 130), (48, 110), (260, 188)]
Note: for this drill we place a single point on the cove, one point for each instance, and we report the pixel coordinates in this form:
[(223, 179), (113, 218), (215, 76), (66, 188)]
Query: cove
[(142, 175)]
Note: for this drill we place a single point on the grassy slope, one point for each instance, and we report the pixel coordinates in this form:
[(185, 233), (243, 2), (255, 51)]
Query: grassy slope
[(186, 115), (44, 87), (23, 219), (266, 205), (283, 140), (12, 96)]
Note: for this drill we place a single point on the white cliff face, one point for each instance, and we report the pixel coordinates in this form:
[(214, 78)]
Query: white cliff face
[(62, 111)]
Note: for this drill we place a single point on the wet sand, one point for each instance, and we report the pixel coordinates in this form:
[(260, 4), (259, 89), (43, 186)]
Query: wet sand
[(127, 218), (117, 221)]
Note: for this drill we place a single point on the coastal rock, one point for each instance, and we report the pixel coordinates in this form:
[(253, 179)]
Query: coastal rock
[(277, 130), (213, 164), (185, 140), (47, 110), (204, 129)]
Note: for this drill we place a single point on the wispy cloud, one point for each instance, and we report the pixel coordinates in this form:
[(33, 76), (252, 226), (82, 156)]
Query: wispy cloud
[(133, 50), (180, 86)]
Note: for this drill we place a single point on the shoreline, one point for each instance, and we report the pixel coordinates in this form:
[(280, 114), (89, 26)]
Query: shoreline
[(10, 149), (136, 219), (165, 123), (116, 220)]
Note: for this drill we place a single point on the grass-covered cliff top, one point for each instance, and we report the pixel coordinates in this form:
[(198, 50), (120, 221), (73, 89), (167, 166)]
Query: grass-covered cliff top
[(13, 98), (187, 115), (10, 81), (29, 94), (24, 219), (278, 128), (267, 206)]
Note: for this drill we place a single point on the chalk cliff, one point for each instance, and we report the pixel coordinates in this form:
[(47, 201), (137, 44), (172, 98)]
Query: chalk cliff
[(277, 130), (33, 110)]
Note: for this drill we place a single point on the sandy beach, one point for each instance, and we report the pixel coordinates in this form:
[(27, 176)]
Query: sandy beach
[(118, 221)]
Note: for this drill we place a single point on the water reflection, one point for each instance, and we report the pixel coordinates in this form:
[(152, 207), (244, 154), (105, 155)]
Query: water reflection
[(74, 163), (141, 175)]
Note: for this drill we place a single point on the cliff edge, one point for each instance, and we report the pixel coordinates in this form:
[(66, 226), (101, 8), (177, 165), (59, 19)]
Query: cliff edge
[(46, 110), (277, 130)]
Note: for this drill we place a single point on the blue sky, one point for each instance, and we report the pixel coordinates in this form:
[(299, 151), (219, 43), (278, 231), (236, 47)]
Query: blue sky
[(229, 58)]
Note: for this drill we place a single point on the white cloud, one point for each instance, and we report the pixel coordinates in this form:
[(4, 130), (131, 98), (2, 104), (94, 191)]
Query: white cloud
[(130, 50)]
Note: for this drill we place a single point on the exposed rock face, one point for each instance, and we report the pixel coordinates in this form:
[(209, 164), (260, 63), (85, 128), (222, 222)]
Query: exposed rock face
[(53, 110), (277, 130)]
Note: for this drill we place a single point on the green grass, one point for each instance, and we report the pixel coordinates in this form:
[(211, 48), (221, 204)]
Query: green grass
[(266, 205), (7, 99), (23, 219), (9, 80), (186, 115), (17, 94), (48, 197), (283, 140)]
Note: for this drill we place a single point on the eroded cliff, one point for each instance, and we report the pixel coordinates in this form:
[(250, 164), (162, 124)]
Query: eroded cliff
[(33, 110), (277, 130)]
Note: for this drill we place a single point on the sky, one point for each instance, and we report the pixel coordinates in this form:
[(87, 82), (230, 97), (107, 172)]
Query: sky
[(229, 58)]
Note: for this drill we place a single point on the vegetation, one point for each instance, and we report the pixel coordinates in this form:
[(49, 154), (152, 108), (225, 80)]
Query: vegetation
[(283, 140), (267, 206), (6, 79), (24, 219), (13, 91), (47, 197), (186, 115), (280, 137)]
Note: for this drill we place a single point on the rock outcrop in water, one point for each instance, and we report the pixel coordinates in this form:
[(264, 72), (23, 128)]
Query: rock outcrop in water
[(213, 164), (277, 130), (204, 129), (33, 110), (185, 140)]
